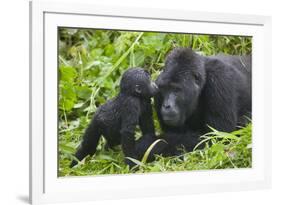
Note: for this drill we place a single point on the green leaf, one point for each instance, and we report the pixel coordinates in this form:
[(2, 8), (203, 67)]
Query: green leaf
[(84, 92), (68, 96), (154, 40), (106, 157), (67, 104), (67, 73), (67, 149), (137, 162), (96, 52), (139, 58), (217, 148), (78, 105)]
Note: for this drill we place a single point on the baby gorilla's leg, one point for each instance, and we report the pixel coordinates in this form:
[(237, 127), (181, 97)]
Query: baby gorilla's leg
[(111, 144), (88, 145)]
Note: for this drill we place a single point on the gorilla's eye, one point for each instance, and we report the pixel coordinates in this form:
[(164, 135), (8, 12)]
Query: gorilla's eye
[(138, 89), (177, 90)]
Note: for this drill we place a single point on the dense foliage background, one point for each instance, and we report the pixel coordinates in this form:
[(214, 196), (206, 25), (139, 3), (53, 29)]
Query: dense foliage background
[(91, 63)]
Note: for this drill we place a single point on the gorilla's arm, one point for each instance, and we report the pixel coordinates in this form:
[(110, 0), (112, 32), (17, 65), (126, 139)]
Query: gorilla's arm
[(128, 125), (146, 120), (169, 147), (187, 140)]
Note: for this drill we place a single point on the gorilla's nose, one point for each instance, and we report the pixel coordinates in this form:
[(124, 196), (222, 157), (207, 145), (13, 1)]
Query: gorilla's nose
[(166, 107)]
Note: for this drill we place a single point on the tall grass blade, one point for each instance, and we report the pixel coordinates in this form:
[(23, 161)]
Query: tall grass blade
[(147, 152)]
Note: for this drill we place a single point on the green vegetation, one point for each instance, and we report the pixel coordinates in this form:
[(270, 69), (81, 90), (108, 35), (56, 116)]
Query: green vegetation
[(91, 63)]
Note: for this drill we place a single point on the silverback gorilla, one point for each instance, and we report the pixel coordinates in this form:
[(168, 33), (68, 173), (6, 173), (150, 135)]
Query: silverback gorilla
[(117, 119), (198, 91)]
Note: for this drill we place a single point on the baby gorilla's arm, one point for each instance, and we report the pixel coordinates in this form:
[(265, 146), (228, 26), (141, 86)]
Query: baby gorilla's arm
[(130, 120), (128, 139), (146, 120)]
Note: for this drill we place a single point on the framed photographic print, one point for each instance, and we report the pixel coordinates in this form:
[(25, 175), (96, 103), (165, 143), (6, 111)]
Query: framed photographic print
[(129, 102)]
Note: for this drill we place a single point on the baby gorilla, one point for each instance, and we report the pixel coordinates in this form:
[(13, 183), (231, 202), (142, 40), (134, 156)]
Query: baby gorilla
[(117, 119)]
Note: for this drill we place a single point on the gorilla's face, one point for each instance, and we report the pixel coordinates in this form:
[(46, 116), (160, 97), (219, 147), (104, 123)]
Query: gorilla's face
[(178, 101), (145, 87), (180, 85), (137, 82)]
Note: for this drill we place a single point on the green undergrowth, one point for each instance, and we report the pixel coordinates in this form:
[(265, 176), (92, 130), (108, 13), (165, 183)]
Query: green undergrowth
[(222, 151)]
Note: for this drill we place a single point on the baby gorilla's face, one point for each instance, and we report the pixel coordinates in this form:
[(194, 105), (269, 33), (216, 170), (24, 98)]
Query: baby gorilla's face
[(145, 87), (137, 81)]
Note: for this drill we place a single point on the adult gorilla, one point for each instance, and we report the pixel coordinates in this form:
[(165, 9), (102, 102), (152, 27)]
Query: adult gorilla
[(198, 91)]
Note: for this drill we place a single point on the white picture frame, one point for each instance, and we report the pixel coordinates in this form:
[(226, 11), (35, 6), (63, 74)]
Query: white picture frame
[(46, 187)]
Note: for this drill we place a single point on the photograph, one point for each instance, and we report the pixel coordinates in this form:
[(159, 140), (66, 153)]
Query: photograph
[(132, 102)]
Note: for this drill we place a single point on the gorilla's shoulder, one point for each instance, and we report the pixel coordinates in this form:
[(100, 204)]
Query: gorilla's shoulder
[(215, 64), (234, 62)]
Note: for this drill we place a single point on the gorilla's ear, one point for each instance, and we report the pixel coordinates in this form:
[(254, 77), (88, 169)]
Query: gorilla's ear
[(138, 89)]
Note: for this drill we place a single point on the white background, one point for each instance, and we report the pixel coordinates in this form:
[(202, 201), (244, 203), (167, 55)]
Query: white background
[(14, 100)]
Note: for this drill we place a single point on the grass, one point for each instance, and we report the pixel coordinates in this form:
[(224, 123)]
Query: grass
[(223, 151)]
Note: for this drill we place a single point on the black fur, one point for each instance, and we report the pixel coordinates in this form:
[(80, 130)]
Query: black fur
[(117, 119), (196, 91)]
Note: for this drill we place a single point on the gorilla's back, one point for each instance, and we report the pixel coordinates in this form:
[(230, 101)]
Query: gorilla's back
[(242, 66)]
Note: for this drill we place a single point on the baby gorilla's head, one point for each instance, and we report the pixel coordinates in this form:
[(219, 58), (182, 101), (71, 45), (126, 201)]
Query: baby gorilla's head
[(137, 82)]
